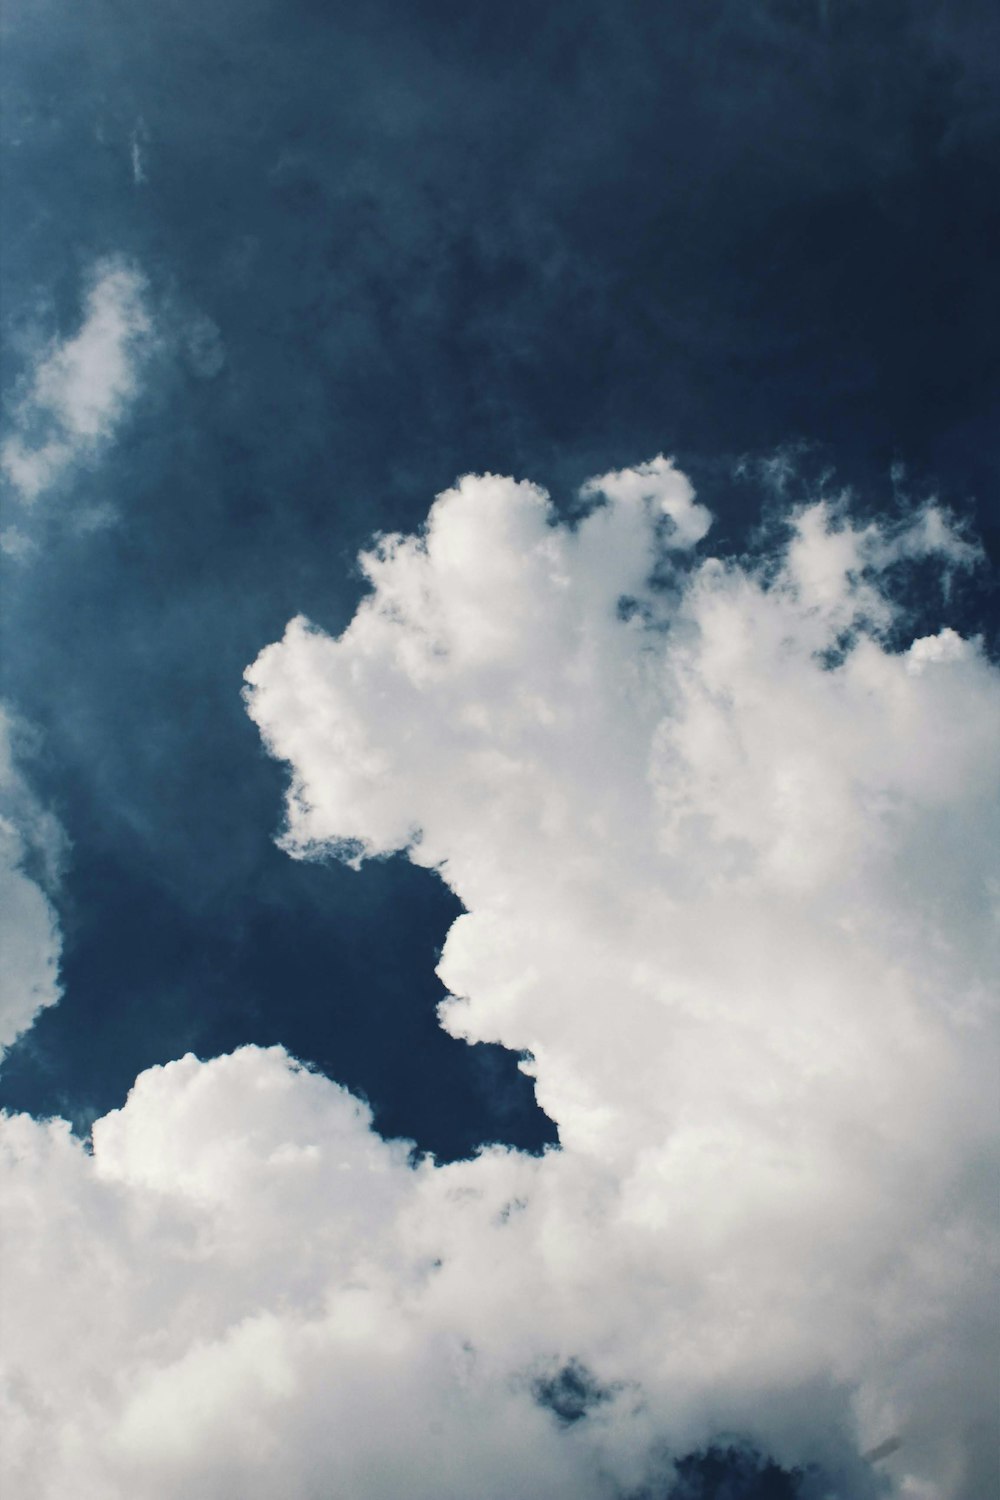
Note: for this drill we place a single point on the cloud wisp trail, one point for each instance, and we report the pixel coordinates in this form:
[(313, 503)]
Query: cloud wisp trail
[(80, 387)]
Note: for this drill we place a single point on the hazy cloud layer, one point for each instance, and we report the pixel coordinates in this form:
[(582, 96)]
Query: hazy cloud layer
[(730, 874), (80, 387)]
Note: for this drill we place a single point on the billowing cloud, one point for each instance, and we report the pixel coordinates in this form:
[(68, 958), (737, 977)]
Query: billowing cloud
[(31, 848), (729, 869), (80, 388)]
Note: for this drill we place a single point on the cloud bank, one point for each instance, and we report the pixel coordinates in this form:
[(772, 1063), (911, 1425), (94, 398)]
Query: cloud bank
[(729, 869), (80, 388)]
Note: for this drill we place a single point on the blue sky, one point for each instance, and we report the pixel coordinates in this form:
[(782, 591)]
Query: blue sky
[(346, 258)]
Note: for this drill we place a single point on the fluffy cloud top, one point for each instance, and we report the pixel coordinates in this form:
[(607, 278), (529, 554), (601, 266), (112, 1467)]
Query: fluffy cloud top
[(30, 942), (80, 388), (729, 867)]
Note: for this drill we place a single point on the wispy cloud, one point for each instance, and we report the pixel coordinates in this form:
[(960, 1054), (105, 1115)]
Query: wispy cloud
[(32, 844), (80, 388), (137, 156)]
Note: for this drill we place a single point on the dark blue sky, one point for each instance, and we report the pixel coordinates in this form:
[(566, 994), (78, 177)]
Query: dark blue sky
[(541, 240)]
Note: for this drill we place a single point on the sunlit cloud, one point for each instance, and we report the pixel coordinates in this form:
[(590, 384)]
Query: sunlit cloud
[(728, 862)]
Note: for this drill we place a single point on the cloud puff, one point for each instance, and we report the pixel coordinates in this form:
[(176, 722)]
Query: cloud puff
[(664, 490), (729, 871), (31, 849), (80, 388)]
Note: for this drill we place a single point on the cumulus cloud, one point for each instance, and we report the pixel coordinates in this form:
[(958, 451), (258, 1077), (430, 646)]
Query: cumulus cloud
[(729, 870), (31, 850), (80, 387)]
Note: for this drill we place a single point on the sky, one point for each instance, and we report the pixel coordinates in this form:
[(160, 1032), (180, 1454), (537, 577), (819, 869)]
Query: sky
[(498, 772)]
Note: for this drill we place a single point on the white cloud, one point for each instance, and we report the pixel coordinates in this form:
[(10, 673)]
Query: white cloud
[(30, 940), (659, 485), (738, 904), (80, 388)]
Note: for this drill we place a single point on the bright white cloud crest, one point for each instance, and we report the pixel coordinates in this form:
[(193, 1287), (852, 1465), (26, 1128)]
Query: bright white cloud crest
[(730, 875)]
